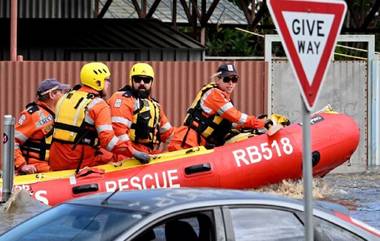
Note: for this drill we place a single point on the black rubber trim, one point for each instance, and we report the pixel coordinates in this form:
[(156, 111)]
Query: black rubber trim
[(204, 167), (93, 187)]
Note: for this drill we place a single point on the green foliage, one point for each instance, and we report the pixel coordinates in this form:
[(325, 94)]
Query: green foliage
[(229, 42)]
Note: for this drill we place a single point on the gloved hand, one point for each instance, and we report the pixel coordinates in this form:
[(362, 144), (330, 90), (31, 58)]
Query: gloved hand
[(280, 119), (263, 117), (268, 124), (142, 157), (28, 169)]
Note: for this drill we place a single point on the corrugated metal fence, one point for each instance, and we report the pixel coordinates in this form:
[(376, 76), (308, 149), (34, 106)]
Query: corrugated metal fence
[(175, 86), (50, 8)]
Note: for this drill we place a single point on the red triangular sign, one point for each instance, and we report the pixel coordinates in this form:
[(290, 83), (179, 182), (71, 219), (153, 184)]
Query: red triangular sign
[(309, 31)]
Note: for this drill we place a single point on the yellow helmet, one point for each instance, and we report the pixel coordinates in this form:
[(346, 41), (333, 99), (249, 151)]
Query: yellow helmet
[(141, 69), (94, 75)]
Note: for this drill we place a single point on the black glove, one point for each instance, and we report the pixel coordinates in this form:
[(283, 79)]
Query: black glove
[(268, 124), (142, 157), (262, 116), (285, 123)]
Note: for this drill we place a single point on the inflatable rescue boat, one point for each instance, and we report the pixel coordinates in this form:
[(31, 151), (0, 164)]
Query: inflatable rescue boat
[(247, 161)]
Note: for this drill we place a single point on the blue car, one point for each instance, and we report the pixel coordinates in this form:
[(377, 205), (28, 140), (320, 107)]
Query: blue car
[(189, 215)]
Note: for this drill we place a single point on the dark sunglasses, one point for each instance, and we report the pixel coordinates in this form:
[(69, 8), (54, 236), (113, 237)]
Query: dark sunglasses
[(234, 79), (137, 79)]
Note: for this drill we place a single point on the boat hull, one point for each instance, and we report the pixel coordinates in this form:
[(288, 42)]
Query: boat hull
[(250, 163)]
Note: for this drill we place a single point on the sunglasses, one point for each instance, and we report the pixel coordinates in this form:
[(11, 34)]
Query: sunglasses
[(234, 79), (138, 79)]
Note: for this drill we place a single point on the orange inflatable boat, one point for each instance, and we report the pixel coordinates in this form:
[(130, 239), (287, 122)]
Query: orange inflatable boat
[(247, 161)]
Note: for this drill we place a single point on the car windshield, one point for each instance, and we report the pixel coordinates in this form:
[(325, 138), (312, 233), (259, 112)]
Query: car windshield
[(76, 222)]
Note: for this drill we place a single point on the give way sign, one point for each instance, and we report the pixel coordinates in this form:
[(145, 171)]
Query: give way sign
[(308, 30)]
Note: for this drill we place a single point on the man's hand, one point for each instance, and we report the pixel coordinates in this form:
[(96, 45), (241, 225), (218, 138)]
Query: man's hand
[(268, 124), (28, 169), (142, 157)]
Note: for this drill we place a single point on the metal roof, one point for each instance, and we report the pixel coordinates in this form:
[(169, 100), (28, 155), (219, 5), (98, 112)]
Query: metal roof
[(224, 13), (101, 33), (147, 200)]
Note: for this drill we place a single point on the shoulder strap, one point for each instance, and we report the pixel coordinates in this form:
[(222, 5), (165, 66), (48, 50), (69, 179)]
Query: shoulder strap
[(127, 91), (48, 110), (32, 107)]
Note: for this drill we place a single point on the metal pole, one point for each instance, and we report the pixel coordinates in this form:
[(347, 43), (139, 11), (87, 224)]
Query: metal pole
[(8, 156), (307, 174), (13, 49)]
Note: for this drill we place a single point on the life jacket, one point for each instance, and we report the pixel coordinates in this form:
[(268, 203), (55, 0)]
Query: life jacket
[(70, 125), (213, 128), (145, 121), (38, 148)]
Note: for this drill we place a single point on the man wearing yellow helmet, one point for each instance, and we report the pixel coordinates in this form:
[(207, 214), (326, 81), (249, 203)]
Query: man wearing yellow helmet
[(136, 115), (83, 134)]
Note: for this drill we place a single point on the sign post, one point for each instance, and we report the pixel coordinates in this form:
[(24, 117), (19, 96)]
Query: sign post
[(308, 30)]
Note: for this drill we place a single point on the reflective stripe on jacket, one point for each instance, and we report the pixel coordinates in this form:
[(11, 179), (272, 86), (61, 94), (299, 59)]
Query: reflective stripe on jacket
[(214, 106), (33, 132), (208, 124), (143, 120)]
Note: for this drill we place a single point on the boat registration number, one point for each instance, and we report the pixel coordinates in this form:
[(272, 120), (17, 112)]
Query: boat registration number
[(264, 151)]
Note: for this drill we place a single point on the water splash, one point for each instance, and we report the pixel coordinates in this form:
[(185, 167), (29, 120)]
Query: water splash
[(294, 189), (18, 208)]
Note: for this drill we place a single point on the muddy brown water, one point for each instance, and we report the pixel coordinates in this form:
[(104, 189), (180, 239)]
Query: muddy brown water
[(360, 193)]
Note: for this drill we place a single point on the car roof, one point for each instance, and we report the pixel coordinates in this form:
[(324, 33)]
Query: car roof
[(155, 200)]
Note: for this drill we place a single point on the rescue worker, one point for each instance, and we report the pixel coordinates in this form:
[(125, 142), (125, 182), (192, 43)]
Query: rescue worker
[(135, 114), (34, 129), (83, 134), (212, 115)]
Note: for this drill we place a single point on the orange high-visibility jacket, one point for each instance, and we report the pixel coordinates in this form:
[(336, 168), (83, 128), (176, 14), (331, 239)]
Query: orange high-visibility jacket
[(35, 123), (128, 116), (212, 102)]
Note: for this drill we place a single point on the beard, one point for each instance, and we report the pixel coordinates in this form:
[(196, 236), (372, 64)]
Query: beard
[(141, 93)]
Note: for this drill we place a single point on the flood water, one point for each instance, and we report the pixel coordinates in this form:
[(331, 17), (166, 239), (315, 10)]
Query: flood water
[(360, 193)]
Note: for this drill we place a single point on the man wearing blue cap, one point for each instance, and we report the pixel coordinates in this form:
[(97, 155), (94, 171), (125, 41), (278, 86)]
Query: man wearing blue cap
[(34, 129)]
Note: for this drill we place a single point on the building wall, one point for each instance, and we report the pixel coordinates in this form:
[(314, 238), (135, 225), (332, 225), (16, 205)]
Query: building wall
[(345, 88)]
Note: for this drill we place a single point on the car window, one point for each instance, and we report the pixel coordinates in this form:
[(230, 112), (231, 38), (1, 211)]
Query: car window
[(197, 226), (251, 224), (75, 222), (326, 231)]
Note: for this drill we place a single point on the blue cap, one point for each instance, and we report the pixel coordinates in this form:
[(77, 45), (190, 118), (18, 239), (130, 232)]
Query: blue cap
[(227, 70), (48, 85)]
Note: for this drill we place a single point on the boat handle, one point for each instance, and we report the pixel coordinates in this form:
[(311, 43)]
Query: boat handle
[(315, 158), (93, 187), (204, 167)]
